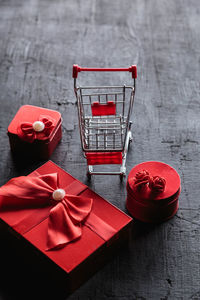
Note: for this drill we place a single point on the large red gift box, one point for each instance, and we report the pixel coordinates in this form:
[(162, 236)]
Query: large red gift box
[(52, 228), (35, 132)]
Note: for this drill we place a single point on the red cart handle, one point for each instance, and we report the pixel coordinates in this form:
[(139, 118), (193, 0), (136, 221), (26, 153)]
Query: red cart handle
[(77, 69)]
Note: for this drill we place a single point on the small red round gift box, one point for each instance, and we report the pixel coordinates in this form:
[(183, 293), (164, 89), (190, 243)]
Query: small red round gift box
[(35, 132), (153, 189)]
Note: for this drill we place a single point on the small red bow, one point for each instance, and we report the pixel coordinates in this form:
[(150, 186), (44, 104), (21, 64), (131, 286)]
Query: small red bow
[(143, 178), (157, 184), (26, 132), (65, 217)]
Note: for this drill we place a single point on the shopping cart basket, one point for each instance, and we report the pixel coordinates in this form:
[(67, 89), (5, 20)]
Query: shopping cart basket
[(104, 121)]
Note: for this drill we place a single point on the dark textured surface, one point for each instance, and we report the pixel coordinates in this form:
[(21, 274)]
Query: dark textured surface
[(39, 42)]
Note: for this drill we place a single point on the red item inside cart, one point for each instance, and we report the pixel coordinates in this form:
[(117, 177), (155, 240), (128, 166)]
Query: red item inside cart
[(103, 158), (106, 109)]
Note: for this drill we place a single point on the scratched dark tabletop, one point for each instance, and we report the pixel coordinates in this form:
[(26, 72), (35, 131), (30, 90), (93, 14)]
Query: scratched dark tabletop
[(39, 43)]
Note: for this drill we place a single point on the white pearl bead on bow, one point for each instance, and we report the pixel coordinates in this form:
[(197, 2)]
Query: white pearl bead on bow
[(38, 126), (58, 194)]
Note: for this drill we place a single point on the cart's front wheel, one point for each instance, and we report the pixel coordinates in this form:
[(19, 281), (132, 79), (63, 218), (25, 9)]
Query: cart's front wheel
[(89, 175), (122, 176)]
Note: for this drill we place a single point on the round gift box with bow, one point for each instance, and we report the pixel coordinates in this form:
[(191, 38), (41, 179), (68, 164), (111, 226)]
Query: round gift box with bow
[(153, 189)]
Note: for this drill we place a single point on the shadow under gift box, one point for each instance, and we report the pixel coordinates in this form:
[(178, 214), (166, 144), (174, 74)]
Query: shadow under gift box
[(73, 264), (38, 149)]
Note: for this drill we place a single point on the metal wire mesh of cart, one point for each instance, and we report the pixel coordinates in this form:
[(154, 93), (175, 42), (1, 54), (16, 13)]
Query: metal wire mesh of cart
[(104, 132), (104, 114)]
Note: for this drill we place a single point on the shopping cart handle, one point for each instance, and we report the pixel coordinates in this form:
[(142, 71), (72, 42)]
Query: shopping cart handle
[(77, 69)]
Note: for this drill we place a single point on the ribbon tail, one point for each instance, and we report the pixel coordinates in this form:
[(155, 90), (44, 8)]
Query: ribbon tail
[(61, 229)]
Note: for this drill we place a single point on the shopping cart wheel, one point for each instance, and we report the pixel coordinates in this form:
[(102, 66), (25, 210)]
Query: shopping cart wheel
[(89, 175), (89, 171), (122, 176)]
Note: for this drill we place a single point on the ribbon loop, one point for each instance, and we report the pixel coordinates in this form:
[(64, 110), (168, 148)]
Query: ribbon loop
[(141, 179), (157, 184)]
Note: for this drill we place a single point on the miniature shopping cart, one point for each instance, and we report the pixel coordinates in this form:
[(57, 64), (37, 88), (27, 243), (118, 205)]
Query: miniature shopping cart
[(104, 121)]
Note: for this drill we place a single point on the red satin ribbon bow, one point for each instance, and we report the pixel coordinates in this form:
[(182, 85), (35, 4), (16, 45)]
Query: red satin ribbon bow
[(26, 132), (143, 178), (65, 217)]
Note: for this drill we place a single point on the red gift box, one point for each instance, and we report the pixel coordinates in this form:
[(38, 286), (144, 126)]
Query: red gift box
[(100, 232), (27, 139), (153, 190)]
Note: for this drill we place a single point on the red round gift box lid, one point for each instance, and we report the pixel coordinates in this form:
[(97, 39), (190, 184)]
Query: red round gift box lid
[(161, 169)]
